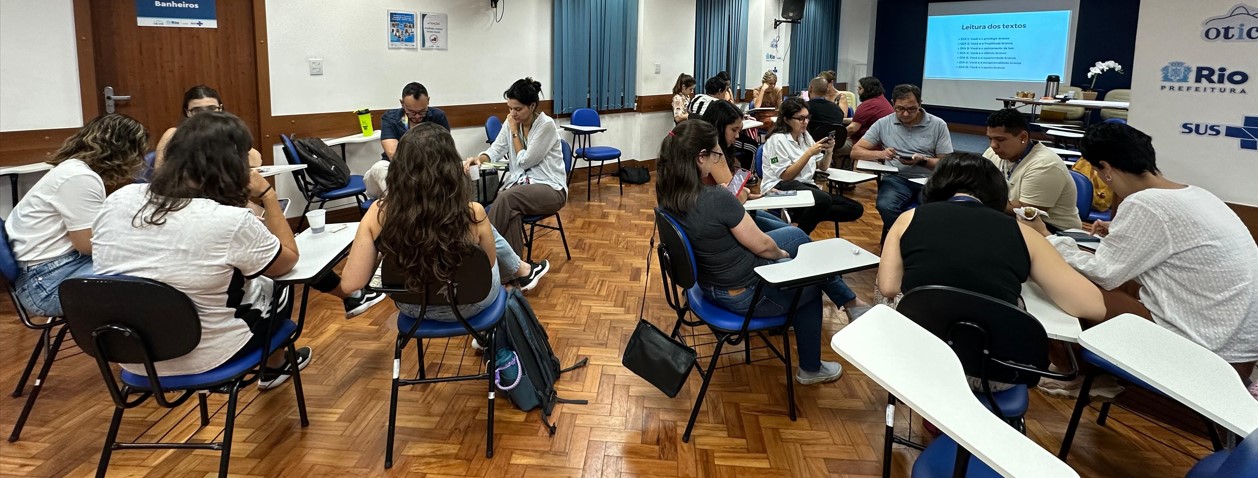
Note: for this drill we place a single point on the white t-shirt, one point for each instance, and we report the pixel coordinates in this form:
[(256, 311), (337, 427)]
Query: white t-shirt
[(780, 151), (1195, 259), (66, 199), (205, 250)]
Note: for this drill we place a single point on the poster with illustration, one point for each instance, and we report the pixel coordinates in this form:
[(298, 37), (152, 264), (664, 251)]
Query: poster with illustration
[(402, 30)]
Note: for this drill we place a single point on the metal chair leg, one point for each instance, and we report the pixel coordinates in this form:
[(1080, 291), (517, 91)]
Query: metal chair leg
[(1213, 432), (563, 237), (790, 377), (204, 407), (111, 437), (419, 353), (490, 364), (528, 243), (889, 438), (1100, 418), (30, 364), (1080, 404), (39, 383), (620, 179), (301, 394), (703, 390), (397, 362), (224, 460)]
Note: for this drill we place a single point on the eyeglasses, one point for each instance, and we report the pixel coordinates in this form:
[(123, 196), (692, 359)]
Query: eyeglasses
[(913, 110), (414, 114), (202, 109), (801, 118), (711, 152)]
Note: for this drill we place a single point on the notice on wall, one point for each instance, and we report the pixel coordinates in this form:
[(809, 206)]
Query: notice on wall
[(435, 25), (402, 30), (176, 13)]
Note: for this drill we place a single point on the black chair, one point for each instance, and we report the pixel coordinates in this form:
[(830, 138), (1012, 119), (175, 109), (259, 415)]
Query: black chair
[(680, 278), (995, 341), (118, 319), (471, 282), (47, 346)]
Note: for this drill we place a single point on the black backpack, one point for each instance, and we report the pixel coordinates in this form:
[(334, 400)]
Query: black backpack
[(521, 332), (325, 169), (634, 175)]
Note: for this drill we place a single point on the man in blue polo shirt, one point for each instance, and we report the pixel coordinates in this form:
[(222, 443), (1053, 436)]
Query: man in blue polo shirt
[(912, 140), (393, 124)]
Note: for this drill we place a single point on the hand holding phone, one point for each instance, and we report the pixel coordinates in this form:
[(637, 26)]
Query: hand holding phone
[(739, 180)]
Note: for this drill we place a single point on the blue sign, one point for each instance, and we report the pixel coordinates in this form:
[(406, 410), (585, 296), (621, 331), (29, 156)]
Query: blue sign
[(1246, 132), (177, 13)]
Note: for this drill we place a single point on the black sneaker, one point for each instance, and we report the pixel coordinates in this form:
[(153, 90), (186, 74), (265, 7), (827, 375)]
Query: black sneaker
[(272, 377), (357, 305), (530, 281)]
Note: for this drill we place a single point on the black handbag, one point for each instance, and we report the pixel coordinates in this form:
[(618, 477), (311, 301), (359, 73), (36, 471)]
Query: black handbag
[(658, 359)]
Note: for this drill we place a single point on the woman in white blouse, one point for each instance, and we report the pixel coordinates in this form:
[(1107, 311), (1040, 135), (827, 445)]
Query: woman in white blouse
[(1174, 253), (790, 160), (536, 182), (683, 91)]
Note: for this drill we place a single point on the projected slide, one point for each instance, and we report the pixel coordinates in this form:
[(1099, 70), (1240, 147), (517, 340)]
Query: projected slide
[(1023, 46)]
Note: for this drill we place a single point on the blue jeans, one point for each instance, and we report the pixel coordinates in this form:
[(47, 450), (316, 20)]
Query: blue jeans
[(767, 222), (444, 313), (774, 301), (508, 260), (894, 196), (38, 285)]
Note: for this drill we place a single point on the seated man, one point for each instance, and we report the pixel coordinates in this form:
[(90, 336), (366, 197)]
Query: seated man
[(912, 140), (1037, 177), (826, 113), (393, 124)]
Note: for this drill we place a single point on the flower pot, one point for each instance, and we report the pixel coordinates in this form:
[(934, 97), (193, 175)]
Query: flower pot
[(1088, 95)]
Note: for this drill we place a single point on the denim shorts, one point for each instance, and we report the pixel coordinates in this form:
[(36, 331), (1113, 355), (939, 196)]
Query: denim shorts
[(38, 285)]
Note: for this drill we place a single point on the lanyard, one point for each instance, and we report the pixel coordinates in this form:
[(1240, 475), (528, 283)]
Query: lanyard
[(1021, 159), (964, 199)]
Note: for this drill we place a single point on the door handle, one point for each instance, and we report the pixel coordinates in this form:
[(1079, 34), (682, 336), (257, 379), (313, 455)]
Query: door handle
[(110, 98)]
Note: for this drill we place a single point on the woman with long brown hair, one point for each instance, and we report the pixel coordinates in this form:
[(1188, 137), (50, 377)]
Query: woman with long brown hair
[(427, 222), (50, 229)]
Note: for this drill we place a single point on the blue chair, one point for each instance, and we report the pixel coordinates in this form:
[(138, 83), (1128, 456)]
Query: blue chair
[(1083, 200), (146, 174), (535, 221), (680, 275), (355, 188), (602, 154), (118, 319), (1237, 462), (47, 346), (493, 126), (470, 284)]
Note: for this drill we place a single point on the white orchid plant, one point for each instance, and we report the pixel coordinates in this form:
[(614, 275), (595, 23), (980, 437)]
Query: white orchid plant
[(1101, 67)]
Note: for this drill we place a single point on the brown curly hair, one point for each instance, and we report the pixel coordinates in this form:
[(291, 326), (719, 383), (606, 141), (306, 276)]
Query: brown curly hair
[(112, 146)]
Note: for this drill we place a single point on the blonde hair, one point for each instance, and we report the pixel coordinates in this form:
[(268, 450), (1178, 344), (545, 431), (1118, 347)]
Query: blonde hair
[(771, 96), (769, 77), (111, 145)]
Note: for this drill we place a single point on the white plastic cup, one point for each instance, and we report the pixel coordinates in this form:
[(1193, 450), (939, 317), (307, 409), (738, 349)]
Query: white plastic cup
[(473, 171), (318, 219)]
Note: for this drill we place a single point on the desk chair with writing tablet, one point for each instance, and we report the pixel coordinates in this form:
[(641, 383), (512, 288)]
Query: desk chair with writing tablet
[(354, 189), (48, 344), (584, 150), (121, 319)]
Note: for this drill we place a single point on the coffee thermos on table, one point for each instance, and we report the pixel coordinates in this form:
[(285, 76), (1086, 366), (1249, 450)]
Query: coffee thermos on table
[(1051, 86)]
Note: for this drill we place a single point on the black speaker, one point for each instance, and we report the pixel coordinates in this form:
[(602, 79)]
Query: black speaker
[(792, 10)]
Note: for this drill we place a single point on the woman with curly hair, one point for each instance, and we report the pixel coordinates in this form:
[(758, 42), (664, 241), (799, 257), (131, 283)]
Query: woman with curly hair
[(427, 222), (50, 229)]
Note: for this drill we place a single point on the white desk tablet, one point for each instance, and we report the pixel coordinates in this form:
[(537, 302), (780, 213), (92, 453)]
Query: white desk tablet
[(875, 166), (750, 123), (920, 370), (819, 258), (1177, 367), (583, 129), (849, 177), (1057, 323), (799, 199), (317, 251), (268, 171)]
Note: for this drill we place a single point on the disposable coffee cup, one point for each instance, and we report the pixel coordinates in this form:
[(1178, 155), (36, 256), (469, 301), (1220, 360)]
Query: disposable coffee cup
[(473, 171), (317, 219)]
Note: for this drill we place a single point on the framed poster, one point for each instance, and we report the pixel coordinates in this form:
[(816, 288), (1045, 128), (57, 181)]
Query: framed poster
[(402, 30), (434, 31)]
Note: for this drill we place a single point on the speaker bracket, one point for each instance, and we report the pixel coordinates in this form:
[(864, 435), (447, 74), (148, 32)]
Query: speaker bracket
[(777, 22)]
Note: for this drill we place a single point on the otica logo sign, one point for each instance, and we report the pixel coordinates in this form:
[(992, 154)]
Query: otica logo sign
[(1239, 24), (1246, 132), (1178, 76)]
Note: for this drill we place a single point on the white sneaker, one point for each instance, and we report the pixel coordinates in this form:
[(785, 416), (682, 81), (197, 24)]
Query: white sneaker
[(829, 372)]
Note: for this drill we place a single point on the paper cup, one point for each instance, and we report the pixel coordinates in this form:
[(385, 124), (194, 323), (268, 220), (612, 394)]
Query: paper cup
[(317, 219), (473, 171)]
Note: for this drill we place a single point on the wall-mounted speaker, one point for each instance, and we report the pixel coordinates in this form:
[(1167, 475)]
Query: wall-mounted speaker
[(792, 10)]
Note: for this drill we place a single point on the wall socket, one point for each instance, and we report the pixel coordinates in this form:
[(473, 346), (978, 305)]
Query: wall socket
[(657, 68), (316, 66)]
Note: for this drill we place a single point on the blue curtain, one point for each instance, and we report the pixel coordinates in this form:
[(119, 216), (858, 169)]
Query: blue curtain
[(595, 54), (814, 43), (721, 41)]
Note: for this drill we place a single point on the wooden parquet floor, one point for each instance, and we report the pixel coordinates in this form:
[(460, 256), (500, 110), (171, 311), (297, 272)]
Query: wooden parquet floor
[(589, 305)]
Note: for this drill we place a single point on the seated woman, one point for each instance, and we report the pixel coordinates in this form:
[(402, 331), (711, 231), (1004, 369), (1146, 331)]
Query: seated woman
[(536, 182), (198, 99), (768, 95), (728, 120), (189, 229), (1174, 253), (50, 229), (683, 91), (728, 246), (960, 237), (427, 223), (790, 160)]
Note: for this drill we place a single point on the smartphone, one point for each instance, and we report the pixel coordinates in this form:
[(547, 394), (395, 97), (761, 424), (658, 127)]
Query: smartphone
[(830, 137), (284, 202), (1079, 236), (740, 179)]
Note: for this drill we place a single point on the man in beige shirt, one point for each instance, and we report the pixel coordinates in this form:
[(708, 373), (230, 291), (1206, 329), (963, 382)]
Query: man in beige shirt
[(1037, 176)]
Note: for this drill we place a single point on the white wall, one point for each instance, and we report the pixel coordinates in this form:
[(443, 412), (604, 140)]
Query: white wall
[(856, 40), (760, 37), (39, 71)]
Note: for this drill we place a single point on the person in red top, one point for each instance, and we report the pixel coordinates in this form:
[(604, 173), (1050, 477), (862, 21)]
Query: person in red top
[(873, 106)]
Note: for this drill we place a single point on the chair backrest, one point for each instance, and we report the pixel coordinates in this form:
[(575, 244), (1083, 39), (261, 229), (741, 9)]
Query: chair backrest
[(1083, 194), (471, 283), (759, 161), (290, 149), (567, 156), (852, 101), (1115, 120), (125, 319), (1242, 461), (983, 331), (1118, 94), (493, 126), (293, 158), (819, 130), (585, 117), (677, 258), (8, 263)]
